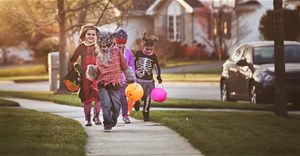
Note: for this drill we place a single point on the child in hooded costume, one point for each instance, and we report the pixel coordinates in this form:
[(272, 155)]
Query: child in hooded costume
[(87, 53), (145, 61), (120, 39), (110, 64)]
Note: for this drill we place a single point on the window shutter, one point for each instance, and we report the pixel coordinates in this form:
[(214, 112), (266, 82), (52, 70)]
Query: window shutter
[(165, 28), (182, 28), (209, 26)]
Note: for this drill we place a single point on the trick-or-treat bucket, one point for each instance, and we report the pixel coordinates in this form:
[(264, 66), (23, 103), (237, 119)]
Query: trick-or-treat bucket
[(134, 92), (158, 94)]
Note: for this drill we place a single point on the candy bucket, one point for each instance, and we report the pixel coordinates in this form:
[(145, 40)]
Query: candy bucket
[(158, 94)]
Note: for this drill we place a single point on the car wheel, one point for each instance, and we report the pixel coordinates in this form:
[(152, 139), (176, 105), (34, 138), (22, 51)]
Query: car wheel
[(253, 96), (225, 92)]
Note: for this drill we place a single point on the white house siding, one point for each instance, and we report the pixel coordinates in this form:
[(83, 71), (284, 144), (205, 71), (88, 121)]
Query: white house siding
[(135, 26), (188, 26), (161, 19)]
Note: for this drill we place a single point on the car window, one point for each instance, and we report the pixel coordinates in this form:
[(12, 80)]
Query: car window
[(247, 54), (237, 54), (292, 54), (263, 55)]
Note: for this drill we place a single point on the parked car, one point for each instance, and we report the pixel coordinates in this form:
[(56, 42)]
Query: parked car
[(249, 74)]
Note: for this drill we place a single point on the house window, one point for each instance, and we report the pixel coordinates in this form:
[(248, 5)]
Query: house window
[(174, 28), (174, 21)]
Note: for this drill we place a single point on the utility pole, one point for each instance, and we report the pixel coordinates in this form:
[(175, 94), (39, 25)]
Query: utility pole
[(280, 77), (220, 33)]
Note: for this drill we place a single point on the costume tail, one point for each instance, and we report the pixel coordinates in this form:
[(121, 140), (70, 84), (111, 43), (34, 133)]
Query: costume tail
[(130, 105)]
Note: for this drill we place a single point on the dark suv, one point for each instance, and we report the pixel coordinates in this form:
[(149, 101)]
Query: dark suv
[(249, 74)]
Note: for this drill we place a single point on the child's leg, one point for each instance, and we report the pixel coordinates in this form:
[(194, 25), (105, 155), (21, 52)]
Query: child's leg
[(106, 108), (123, 99), (146, 108), (97, 109), (116, 105), (87, 111), (148, 86)]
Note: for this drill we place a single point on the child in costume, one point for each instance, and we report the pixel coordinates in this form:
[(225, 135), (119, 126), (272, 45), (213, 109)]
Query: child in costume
[(110, 64), (120, 39), (145, 61), (87, 53)]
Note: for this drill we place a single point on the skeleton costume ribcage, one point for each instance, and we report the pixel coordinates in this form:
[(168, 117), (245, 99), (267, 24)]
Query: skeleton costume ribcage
[(144, 67)]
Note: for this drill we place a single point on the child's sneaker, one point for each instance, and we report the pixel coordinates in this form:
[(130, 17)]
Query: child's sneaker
[(96, 119), (107, 128), (88, 120), (146, 116), (87, 123), (126, 119)]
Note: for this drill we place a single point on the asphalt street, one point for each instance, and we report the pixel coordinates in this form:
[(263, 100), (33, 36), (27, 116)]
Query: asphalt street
[(179, 90)]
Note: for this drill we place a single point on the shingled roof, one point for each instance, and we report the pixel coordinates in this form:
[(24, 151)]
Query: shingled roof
[(142, 5), (194, 3)]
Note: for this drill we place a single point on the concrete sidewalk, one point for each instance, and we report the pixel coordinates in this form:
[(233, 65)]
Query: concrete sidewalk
[(137, 138)]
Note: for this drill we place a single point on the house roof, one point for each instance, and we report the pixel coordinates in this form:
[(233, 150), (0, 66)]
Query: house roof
[(189, 5), (142, 5), (136, 7), (248, 3)]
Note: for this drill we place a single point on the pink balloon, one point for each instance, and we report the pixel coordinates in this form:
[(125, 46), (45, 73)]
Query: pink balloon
[(158, 95)]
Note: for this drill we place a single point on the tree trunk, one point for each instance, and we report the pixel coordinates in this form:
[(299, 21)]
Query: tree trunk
[(280, 77), (5, 57), (62, 46)]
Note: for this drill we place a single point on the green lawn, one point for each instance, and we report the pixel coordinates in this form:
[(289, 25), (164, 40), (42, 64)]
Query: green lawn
[(233, 133), (32, 70), (73, 100), (26, 132), (214, 133), (8, 103)]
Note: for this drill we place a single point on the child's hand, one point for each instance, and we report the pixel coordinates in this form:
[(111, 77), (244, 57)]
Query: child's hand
[(159, 79), (78, 68), (131, 81)]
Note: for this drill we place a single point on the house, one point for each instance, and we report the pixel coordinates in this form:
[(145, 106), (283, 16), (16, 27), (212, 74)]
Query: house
[(179, 21)]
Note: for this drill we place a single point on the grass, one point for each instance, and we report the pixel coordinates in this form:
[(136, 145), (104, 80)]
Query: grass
[(67, 99), (214, 133), (32, 70), (73, 100), (8, 103), (233, 133), (26, 132)]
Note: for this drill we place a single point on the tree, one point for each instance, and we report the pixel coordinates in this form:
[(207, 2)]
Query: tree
[(236, 28), (12, 32), (66, 17), (280, 80), (291, 25)]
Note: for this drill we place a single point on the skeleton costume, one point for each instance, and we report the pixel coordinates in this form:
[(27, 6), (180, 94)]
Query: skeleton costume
[(87, 95), (145, 61), (110, 64)]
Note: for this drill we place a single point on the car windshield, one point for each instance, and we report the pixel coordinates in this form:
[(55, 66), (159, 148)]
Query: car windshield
[(264, 55)]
